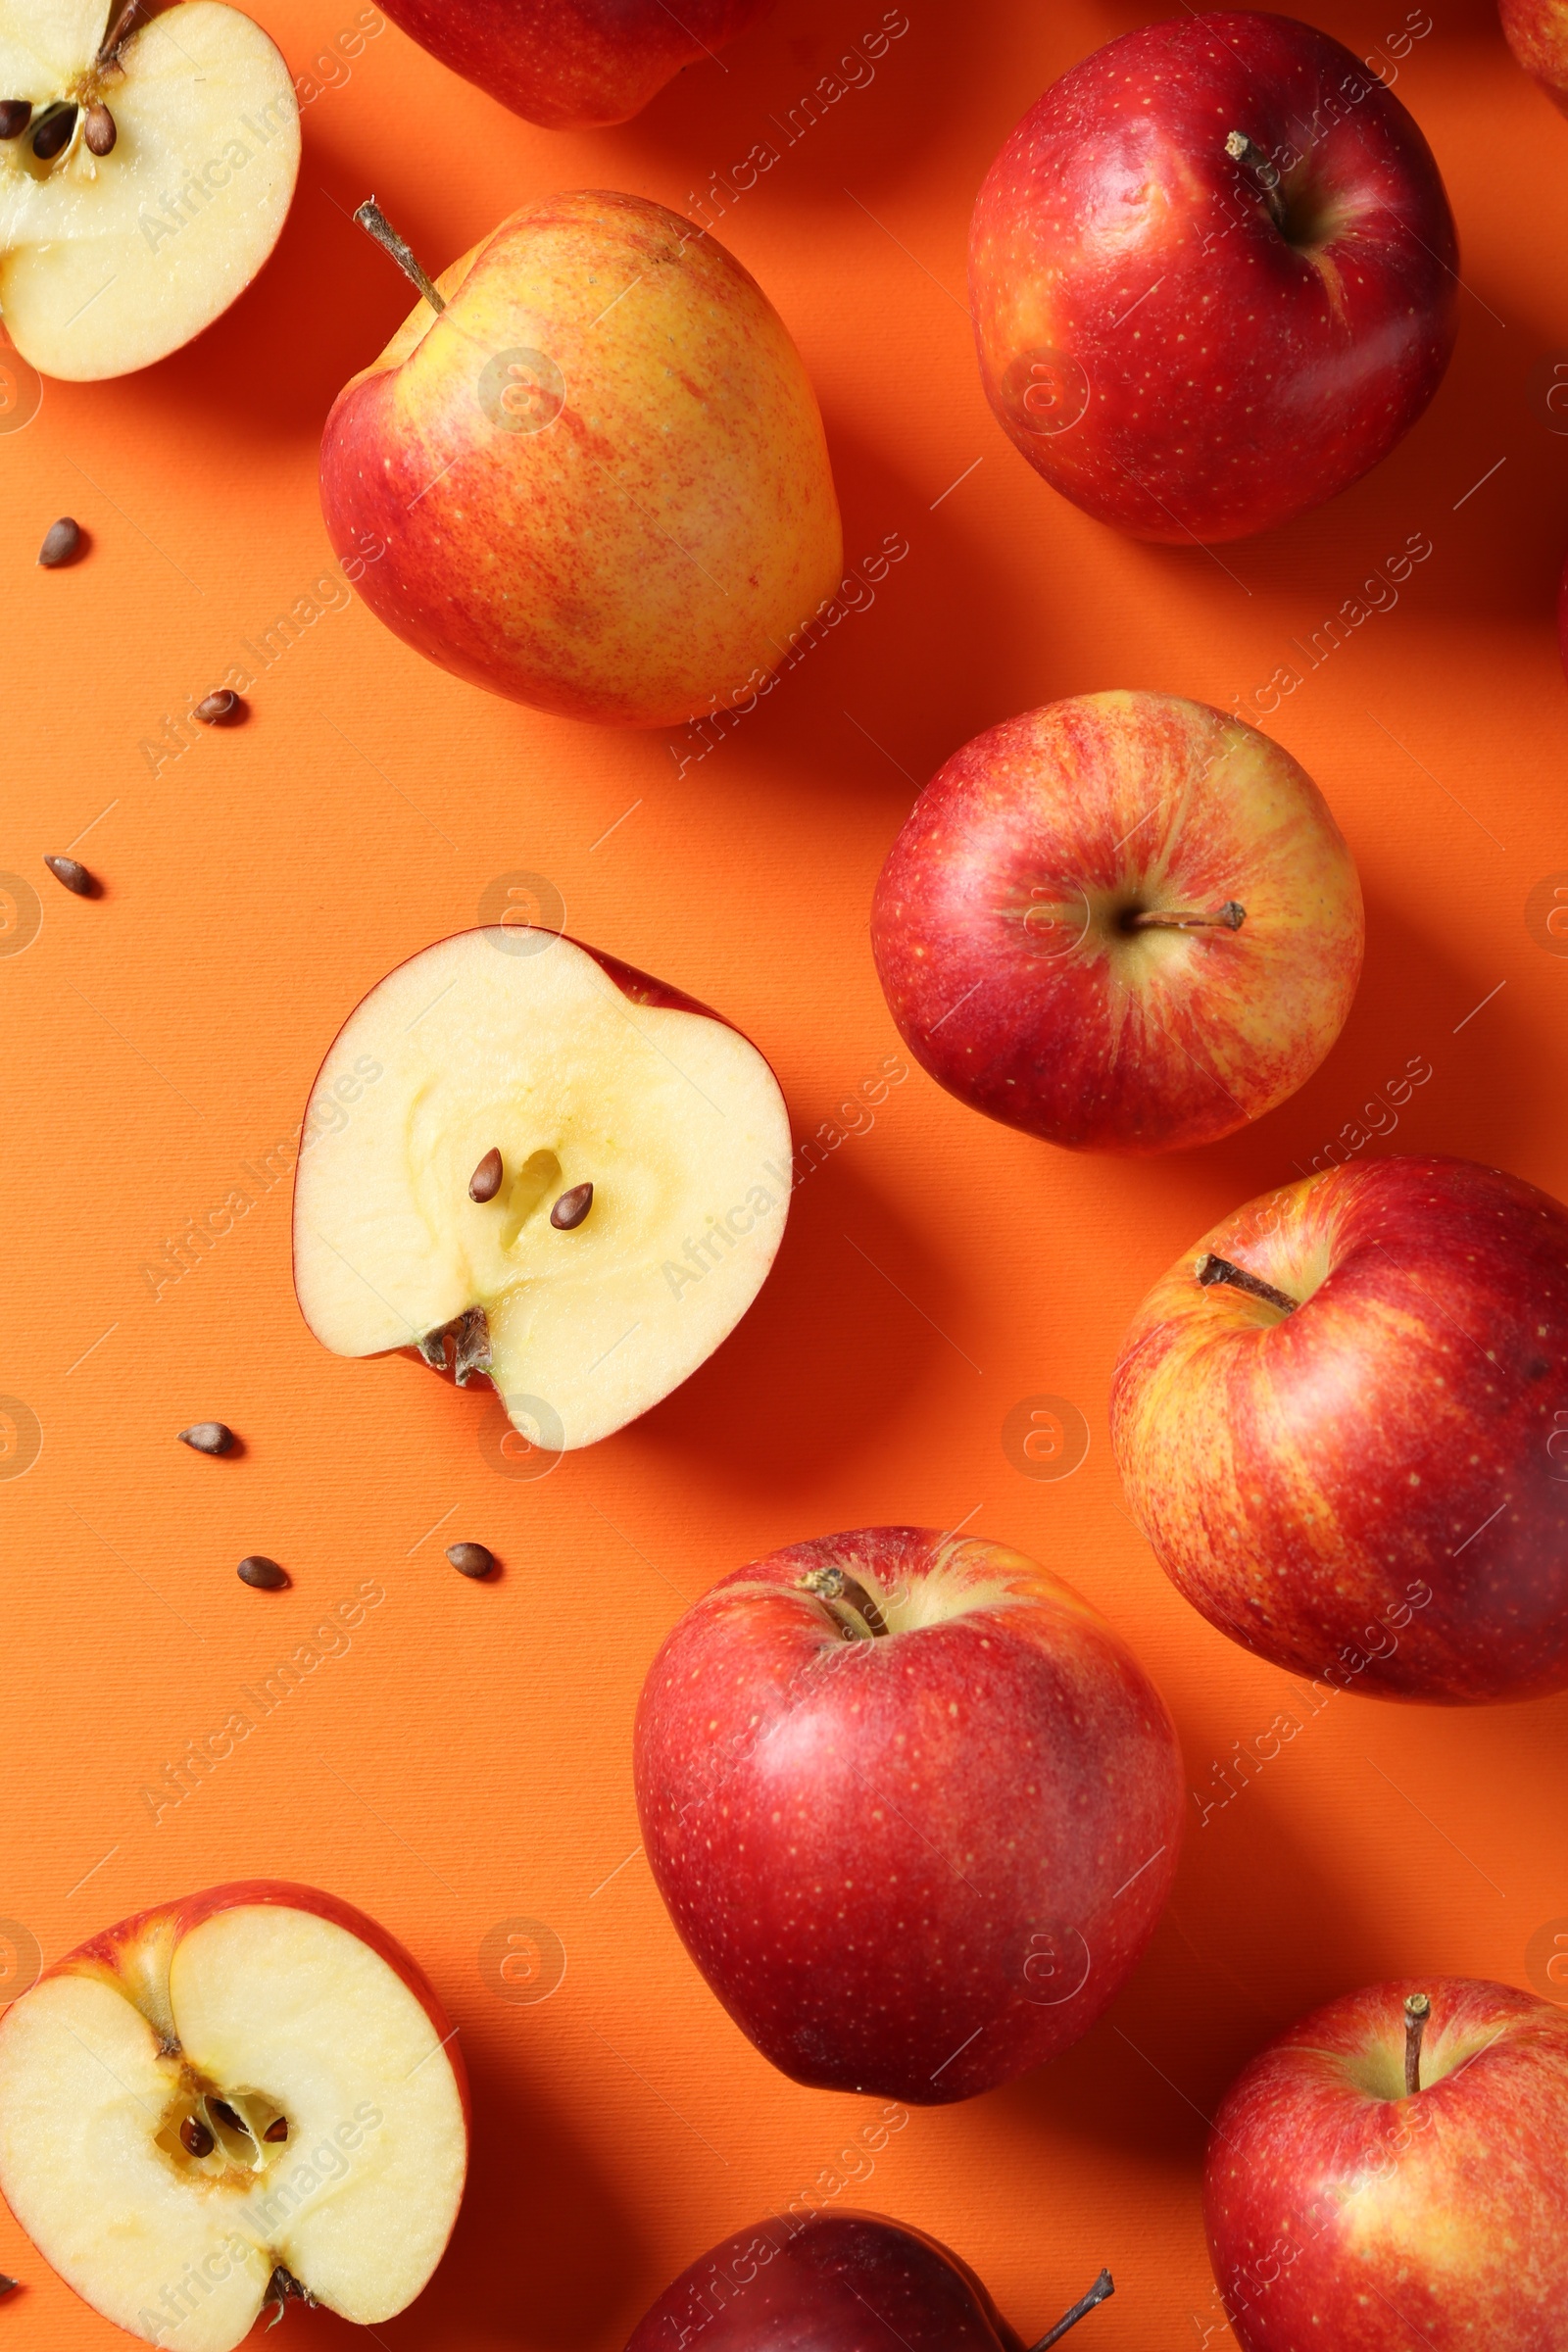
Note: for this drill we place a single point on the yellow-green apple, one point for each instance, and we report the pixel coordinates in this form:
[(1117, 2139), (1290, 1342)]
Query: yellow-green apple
[(575, 1174), (1537, 31), (1338, 1420), (598, 472), (1389, 2175), (573, 64), (146, 171), (914, 1808), (840, 2281), (1212, 276), (250, 2095), (1125, 922)]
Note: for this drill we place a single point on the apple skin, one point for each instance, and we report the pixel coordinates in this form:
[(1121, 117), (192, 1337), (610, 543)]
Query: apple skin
[(1537, 31), (917, 1865), (1114, 229), (844, 2281), (1342, 2211), (1305, 1480), (649, 521), (994, 924), (573, 64), (113, 1953)]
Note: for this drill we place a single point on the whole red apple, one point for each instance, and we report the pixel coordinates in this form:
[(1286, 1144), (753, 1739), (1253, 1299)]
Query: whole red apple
[(230, 2101), (914, 1806), (836, 2282), (1340, 1423), (1389, 2175), (1125, 922), (573, 64), (1212, 274)]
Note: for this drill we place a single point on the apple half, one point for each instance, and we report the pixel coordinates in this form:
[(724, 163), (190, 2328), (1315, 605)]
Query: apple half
[(245, 2096), (110, 260), (449, 1138)]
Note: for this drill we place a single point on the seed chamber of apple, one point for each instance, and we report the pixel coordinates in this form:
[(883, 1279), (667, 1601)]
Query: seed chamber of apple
[(236, 2121)]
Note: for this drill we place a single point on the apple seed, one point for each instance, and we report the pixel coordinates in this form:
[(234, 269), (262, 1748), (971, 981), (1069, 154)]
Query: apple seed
[(220, 710), (277, 2130), (471, 1559), (6, 2285), (62, 540), (485, 1182), (100, 131), (15, 116), (194, 2136), (227, 2115), (264, 1573), (54, 132), (76, 878), (208, 1437), (571, 1208)]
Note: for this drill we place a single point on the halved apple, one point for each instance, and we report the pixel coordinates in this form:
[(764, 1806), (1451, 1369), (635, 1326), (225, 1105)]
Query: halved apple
[(445, 1160), (245, 2096), (144, 179)]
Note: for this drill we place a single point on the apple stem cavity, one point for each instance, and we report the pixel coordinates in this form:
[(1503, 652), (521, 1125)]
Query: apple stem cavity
[(376, 223), (1263, 174), (1213, 1270), (839, 1594), (1229, 917), (1417, 2010), (1104, 2288)]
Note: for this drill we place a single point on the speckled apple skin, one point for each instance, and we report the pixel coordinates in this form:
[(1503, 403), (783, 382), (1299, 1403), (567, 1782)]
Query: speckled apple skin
[(994, 924), (1148, 338), (1359, 2223), (573, 64), (1306, 1480), (918, 1865), (652, 546), (841, 2282), (1537, 31)]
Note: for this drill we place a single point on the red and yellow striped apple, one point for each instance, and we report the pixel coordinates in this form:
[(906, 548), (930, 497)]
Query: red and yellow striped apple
[(595, 479), (1125, 923), (222, 2103), (1537, 31), (1389, 2175), (1339, 1422), (913, 1807)]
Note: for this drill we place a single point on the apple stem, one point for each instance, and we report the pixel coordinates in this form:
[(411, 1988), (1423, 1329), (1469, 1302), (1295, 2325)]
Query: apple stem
[(1265, 174), (117, 35), (280, 2288), (1417, 2009), (1213, 1270), (831, 1585), (1229, 917), (376, 223), (1104, 2288)]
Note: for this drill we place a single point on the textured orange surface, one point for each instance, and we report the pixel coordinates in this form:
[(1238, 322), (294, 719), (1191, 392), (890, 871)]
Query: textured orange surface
[(465, 1761)]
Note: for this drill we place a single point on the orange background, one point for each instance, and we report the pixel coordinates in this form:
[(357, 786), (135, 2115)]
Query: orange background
[(468, 1762)]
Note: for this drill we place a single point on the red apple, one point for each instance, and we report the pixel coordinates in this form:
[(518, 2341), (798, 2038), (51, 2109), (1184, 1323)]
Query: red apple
[(1537, 31), (1125, 922), (573, 64), (1212, 274), (1340, 1423), (836, 2282), (1351, 2212), (913, 1807), (226, 2102)]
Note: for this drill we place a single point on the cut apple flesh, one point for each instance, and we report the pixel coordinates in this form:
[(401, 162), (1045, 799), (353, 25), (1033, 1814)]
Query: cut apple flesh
[(109, 262), (489, 1043), (140, 2140)]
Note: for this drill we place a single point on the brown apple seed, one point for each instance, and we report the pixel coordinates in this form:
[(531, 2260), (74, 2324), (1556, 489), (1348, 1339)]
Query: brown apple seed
[(208, 1437), (194, 2136), (53, 133), (471, 1559), (220, 710), (76, 878), (15, 116), (265, 1575), (277, 2130), (61, 542), (485, 1182), (571, 1208), (99, 133)]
